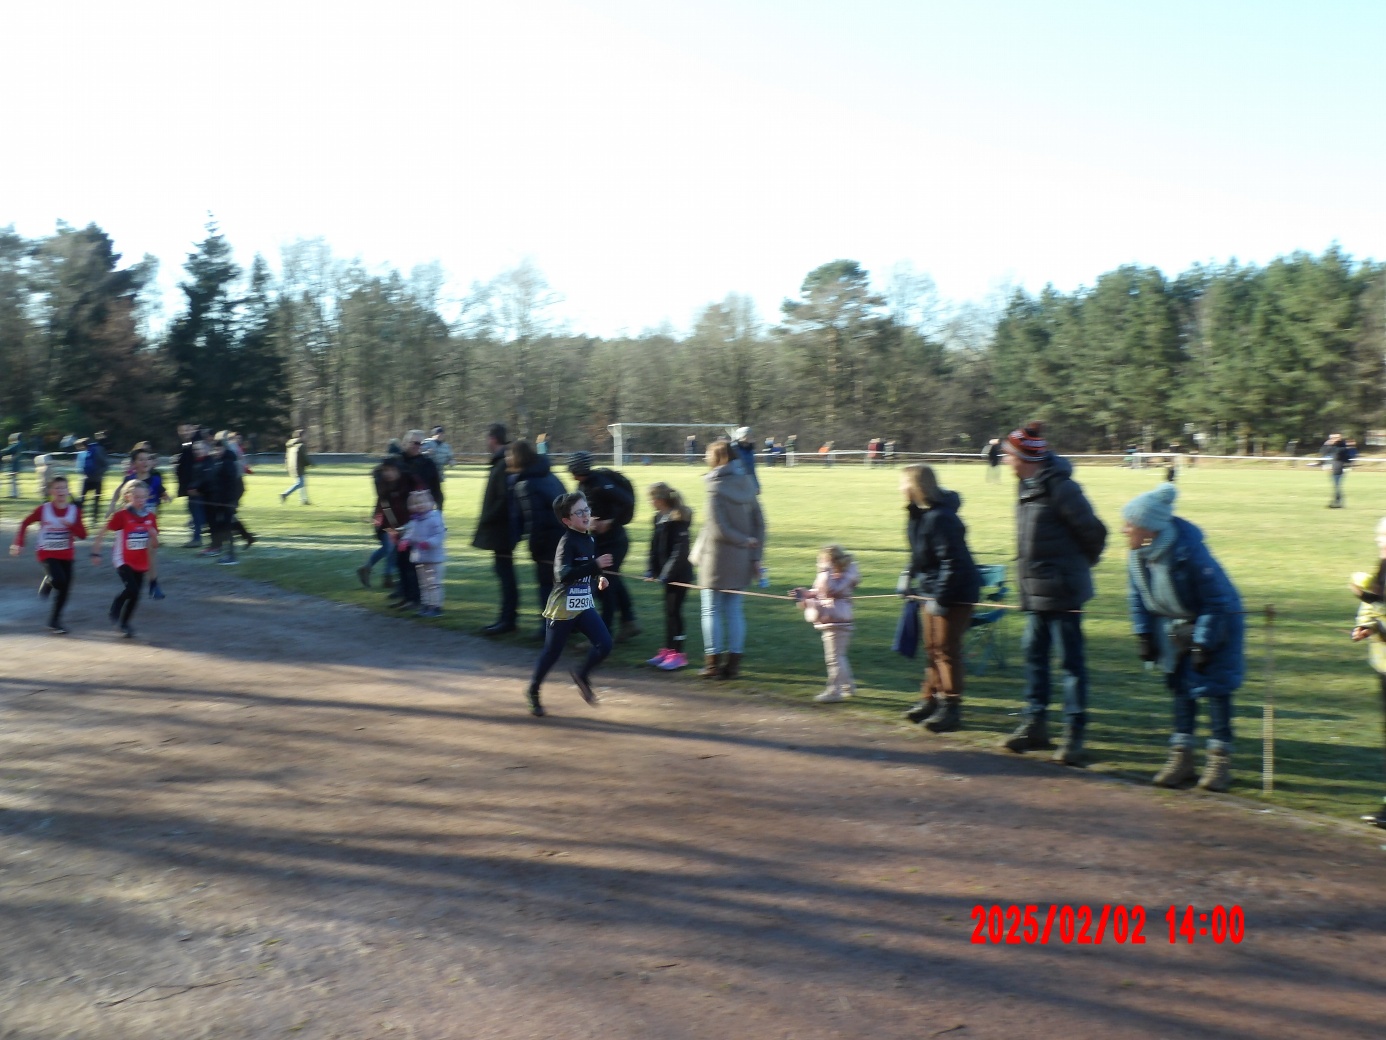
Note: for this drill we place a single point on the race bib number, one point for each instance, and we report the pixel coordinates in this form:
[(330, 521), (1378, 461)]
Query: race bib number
[(137, 540), (579, 599), (56, 541)]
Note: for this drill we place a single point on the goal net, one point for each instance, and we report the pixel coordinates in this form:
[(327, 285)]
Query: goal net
[(632, 438)]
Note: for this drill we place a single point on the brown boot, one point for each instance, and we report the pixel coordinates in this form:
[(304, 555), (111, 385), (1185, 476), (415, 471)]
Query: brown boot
[(712, 667), (732, 669)]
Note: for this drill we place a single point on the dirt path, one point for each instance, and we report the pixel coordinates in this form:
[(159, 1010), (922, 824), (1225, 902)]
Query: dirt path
[(276, 817)]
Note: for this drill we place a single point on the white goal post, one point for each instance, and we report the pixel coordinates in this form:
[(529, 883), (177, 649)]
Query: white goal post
[(618, 434)]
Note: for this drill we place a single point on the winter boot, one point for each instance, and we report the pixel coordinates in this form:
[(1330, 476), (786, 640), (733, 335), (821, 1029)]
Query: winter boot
[(947, 717), (1217, 770), (1031, 735), (712, 667), (732, 669), (928, 704), (1179, 767), (1070, 750)]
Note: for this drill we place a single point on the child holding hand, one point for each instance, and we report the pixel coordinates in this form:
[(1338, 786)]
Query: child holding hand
[(425, 536), (828, 607)]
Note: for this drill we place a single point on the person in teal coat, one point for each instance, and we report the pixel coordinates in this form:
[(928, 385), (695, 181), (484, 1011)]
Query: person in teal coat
[(1187, 616)]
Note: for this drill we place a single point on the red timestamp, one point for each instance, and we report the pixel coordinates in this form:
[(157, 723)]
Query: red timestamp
[(1220, 924), (1033, 925)]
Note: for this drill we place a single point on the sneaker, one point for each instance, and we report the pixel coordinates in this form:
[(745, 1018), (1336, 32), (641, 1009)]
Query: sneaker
[(584, 686), (45, 586), (195, 543), (230, 561), (57, 630), (658, 658), (363, 575), (673, 662), (1376, 819), (430, 612), (831, 697), (251, 539), (155, 592), (210, 552), (127, 631)]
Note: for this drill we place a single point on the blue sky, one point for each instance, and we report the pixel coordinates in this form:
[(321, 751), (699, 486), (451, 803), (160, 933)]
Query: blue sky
[(651, 158)]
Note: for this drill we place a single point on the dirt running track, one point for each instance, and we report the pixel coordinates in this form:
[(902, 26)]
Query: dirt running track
[(275, 817)]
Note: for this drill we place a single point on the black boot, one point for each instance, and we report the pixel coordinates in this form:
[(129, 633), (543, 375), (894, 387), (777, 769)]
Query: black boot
[(947, 717), (928, 704), (1031, 735), (532, 695), (1070, 751)]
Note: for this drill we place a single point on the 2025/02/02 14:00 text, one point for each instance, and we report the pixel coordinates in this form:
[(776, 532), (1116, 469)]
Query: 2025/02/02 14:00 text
[(1088, 925)]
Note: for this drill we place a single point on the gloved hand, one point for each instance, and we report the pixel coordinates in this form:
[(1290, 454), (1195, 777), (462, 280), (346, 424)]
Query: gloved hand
[(1200, 658), (1147, 650), (935, 608)]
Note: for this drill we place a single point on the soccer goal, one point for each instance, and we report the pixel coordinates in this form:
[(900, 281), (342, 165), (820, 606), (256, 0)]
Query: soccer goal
[(621, 433)]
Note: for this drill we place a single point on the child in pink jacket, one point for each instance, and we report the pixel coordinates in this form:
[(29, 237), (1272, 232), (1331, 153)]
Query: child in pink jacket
[(828, 607)]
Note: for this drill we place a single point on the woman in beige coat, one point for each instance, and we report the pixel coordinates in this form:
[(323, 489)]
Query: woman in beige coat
[(727, 556)]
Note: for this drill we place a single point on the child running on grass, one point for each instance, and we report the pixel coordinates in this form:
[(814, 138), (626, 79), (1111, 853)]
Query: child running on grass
[(571, 605), (137, 536), (1370, 588), (424, 536), (828, 607), (60, 525), (669, 563)]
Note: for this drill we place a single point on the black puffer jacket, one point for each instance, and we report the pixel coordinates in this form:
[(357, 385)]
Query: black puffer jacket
[(493, 525), (1059, 539), (669, 548), (939, 555), (531, 510)]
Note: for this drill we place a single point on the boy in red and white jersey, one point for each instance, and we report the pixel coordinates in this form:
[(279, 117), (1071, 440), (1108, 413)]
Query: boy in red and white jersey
[(137, 536), (60, 526)]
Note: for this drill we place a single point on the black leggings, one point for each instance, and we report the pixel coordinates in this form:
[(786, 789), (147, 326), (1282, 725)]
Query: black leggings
[(123, 606), (556, 633), (60, 577), (673, 616)]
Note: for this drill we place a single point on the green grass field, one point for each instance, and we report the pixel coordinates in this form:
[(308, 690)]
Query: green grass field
[(1267, 525)]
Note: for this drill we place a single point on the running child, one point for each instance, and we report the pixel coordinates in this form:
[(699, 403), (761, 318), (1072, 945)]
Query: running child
[(60, 526), (1370, 588), (828, 607), (142, 470), (571, 604), (425, 536), (669, 563), (137, 536)]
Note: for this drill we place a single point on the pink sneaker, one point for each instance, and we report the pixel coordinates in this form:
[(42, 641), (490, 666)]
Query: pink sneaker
[(673, 662), (658, 659)]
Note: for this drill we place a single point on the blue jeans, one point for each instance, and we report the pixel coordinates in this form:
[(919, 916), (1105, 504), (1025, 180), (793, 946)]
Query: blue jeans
[(1186, 709), (197, 514), (723, 610), (301, 486), (556, 634), (385, 551), (1042, 630), (1337, 479)]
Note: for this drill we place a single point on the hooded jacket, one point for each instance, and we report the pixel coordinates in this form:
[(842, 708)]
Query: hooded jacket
[(939, 555), (1059, 539), (723, 555), (531, 509), (1203, 588), (831, 598)]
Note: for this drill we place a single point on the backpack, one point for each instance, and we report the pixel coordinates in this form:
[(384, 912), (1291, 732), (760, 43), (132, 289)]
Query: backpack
[(94, 465), (627, 512)]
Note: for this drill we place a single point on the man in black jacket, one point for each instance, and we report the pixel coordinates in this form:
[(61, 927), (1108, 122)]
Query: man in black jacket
[(1058, 541), (419, 469), (613, 507), (185, 468), (1338, 456), (493, 533), (221, 486)]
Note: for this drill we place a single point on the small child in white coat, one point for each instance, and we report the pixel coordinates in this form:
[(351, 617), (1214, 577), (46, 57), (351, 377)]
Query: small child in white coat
[(828, 607), (425, 536)]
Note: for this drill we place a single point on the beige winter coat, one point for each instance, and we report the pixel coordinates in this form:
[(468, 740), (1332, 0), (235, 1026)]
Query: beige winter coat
[(723, 554)]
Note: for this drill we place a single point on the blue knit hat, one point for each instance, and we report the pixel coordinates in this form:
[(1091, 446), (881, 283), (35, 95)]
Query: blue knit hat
[(1152, 511)]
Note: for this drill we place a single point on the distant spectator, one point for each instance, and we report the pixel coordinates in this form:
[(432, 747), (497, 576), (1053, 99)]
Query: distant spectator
[(14, 450), (93, 463), (993, 456), (438, 449), (1338, 457), (493, 533), (744, 452), (296, 462)]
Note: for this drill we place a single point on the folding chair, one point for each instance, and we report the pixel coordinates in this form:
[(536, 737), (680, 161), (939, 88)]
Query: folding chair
[(983, 645)]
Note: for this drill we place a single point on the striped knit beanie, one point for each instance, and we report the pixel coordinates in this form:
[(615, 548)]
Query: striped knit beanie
[(1027, 443)]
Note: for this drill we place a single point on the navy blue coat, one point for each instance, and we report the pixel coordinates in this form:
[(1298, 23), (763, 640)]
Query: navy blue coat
[(1203, 587), (531, 496)]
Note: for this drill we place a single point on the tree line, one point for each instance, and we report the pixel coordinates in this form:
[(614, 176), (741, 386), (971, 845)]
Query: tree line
[(1239, 357)]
